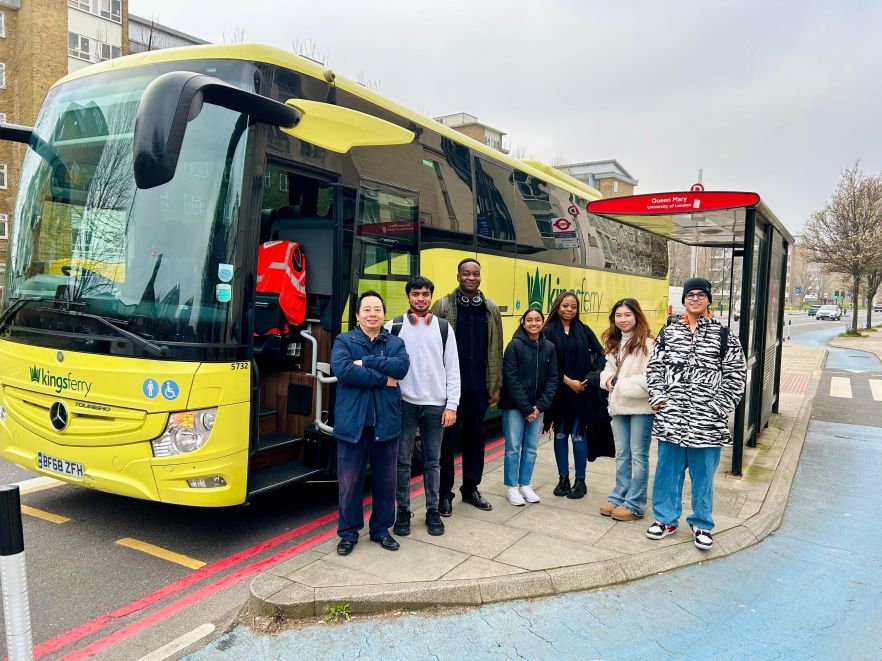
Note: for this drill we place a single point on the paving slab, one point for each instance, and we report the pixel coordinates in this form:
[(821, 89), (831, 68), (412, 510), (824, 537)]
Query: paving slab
[(477, 537), (564, 524), (537, 551), (475, 567), (415, 561)]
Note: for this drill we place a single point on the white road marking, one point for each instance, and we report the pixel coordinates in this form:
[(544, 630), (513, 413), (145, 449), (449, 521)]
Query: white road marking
[(876, 387), (37, 484), (179, 643), (840, 387)]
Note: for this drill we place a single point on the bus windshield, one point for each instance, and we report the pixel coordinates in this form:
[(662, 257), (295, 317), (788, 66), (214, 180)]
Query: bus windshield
[(161, 262)]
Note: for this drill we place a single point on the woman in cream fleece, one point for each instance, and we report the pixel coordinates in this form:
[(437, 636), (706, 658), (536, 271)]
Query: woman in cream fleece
[(628, 345)]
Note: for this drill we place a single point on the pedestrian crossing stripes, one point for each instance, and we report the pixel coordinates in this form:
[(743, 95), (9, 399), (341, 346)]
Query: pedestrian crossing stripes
[(841, 387)]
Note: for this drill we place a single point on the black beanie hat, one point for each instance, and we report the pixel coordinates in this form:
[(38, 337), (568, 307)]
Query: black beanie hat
[(697, 283)]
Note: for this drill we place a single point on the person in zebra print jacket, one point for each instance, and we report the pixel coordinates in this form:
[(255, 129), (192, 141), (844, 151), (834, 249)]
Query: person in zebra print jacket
[(694, 384)]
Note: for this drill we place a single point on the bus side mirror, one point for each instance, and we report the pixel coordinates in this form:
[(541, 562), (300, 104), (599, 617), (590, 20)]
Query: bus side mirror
[(176, 98)]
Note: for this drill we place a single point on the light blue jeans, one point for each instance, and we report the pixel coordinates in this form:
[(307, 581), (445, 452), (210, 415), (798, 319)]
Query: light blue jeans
[(521, 447), (667, 488), (632, 434)]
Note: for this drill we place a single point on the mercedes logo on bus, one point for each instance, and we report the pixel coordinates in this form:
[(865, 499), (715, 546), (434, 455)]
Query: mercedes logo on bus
[(58, 416)]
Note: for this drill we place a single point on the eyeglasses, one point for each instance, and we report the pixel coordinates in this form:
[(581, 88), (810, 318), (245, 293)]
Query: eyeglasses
[(697, 295)]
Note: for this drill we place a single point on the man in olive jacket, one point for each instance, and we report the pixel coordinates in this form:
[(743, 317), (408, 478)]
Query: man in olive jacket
[(477, 325)]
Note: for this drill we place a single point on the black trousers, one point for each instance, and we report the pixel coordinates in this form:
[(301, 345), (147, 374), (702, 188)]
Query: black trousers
[(467, 435)]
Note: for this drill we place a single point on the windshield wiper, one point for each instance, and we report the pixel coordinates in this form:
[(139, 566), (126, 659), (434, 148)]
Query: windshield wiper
[(18, 304), (153, 349)]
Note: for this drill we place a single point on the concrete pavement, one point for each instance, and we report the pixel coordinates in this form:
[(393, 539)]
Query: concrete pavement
[(553, 547)]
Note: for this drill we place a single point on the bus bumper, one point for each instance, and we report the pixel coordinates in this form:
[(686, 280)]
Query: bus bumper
[(130, 469)]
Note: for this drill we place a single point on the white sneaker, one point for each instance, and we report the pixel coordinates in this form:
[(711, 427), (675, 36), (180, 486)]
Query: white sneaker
[(529, 495), (515, 497)]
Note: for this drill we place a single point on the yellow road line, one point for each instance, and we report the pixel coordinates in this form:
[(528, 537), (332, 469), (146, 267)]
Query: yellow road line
[(160, 552), (40, 514)]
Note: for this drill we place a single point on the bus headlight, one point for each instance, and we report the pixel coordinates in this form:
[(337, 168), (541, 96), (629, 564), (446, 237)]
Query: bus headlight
[(186, 431)]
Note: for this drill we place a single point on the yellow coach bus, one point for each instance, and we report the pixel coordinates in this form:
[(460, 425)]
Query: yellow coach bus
[(132, 353)]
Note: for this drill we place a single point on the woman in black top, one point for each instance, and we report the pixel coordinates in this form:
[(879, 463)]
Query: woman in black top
[(580, 360)]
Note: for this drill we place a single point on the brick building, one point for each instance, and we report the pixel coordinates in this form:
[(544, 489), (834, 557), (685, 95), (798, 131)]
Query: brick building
[(608, 177), (40, 42), (469, 125)]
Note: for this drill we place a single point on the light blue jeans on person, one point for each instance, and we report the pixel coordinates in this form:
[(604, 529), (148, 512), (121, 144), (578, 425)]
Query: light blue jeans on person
[(632, 434), (521, 447), (667, 488)]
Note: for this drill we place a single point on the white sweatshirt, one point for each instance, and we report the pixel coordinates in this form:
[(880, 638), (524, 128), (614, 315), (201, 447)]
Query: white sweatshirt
[(430, 381)]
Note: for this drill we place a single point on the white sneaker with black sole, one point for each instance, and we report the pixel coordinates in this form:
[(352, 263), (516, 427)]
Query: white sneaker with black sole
[(659, 530), (703, 539)]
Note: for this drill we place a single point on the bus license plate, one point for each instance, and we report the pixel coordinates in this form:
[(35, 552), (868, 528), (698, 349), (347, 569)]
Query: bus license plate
[(60, 466)]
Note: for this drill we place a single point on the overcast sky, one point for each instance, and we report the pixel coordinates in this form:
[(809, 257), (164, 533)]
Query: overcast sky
[(770, 96)]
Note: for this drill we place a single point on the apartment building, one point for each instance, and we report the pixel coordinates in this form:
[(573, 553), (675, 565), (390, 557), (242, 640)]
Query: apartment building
[(469, 125), (608, 177)]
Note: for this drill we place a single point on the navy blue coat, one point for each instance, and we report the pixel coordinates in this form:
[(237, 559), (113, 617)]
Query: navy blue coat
[(359, 384)]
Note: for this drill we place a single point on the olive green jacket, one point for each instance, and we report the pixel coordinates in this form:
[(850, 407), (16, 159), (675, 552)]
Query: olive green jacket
[(445, 307)]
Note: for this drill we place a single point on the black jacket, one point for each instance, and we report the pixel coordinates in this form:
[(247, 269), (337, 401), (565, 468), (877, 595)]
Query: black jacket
[(529, 374)]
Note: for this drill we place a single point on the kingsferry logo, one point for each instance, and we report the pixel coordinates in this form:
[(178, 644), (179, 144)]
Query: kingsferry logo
[(59, 383), (541, 292)]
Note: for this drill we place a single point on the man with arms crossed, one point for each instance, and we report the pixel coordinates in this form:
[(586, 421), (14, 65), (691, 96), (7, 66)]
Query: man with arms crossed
[(429, 398)]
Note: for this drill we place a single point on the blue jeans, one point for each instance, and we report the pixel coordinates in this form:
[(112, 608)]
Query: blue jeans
[(667, 488), (521, 447), (562, 451), (427, 419), (632, 434), (352, 462)]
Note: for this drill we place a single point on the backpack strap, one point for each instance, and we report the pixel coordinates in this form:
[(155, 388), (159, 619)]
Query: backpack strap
[(444, 327), (397, 322), (445, 306), (724, 343)]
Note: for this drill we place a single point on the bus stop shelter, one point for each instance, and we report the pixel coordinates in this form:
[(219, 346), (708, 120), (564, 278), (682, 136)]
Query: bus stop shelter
[(743, 224)]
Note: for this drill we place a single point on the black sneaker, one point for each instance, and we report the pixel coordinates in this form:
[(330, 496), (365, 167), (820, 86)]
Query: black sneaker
[(434, 525), (445, 505), (703, 539), (402, 522)]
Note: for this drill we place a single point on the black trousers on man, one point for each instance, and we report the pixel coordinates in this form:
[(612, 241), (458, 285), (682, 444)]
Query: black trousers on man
[(466, 435)]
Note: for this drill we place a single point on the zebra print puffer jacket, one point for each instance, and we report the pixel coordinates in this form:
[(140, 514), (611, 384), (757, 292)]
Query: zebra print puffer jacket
[(698, 390)]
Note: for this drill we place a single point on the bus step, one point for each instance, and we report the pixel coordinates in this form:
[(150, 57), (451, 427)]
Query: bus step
[(276, 440), (267, 422), (278, 475)]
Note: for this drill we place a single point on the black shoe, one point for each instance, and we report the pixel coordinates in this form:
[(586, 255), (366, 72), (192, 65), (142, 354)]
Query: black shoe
[(445, 506), (345, 546), (563, 486), (475, 498), (579, 489), (434, 525), (402, 522), (388, 542)]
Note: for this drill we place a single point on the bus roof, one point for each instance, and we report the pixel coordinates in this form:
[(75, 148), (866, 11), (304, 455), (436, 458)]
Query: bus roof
[(302, 65)]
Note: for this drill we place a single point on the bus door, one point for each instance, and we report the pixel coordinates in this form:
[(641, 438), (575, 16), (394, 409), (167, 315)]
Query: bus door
[(303, 221), (385, 252)]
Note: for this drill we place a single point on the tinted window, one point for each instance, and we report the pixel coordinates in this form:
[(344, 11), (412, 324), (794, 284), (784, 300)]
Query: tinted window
[(494, 197)]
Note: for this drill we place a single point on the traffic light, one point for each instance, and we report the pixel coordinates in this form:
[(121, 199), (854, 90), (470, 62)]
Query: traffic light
[(836, 295)]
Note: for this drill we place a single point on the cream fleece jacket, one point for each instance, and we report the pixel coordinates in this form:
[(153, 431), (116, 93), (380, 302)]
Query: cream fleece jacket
[(630, 395)]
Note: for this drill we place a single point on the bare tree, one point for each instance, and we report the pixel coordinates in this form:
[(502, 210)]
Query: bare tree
[(679, 260), (845, 236), (309, 49), (520, 152), (236, 37), (373, 85), (558, 160)]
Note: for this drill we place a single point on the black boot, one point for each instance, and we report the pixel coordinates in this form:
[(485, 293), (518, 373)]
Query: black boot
[(563, 486), (579, 489)]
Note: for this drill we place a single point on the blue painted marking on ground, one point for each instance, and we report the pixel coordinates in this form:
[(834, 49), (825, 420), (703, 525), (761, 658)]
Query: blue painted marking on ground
[(812, 590), (838, 358)]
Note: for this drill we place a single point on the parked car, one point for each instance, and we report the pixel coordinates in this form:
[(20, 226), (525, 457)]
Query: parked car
[(813, 309), (833, 312)]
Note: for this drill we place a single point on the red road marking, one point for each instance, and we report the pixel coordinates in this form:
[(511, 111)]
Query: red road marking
[(71, 636)]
